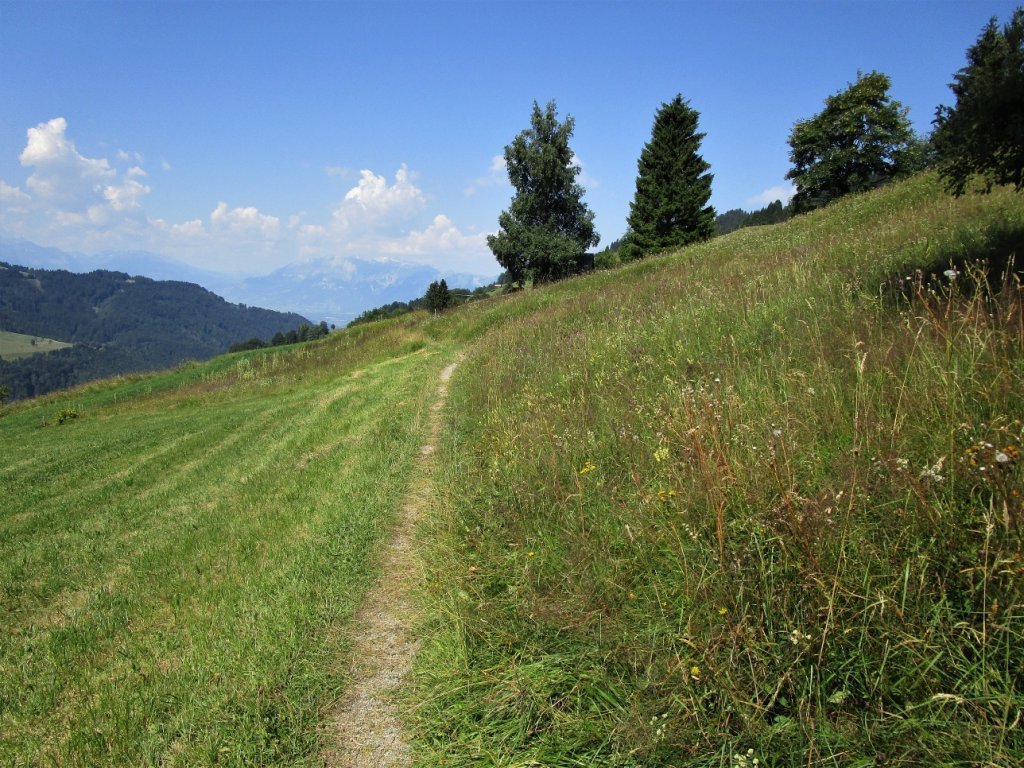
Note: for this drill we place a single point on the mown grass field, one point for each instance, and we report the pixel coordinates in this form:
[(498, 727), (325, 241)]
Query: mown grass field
[(757, 499), (17, 345), (179, 553)]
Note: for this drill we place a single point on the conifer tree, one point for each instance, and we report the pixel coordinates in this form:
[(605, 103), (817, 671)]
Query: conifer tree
[(673, 186), (984, 132), (547, 227)]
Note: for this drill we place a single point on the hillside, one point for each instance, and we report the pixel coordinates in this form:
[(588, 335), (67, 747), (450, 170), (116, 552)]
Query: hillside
[(117, 324), (760, 498)]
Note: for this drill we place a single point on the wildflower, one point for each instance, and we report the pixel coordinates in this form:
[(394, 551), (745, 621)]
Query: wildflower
[(661, 453), (951, 274), (932, 472), (531, 554), (796, 637), (1002, 458), (722, 611), (745, 761), (587, 468), (903, 464), (666, 495), (695, 672)]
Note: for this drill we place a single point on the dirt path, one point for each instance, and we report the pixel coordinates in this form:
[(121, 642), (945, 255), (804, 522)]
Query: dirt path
[(365, 730)]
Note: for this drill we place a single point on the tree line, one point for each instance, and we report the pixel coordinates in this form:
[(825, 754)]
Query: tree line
[(438, 298), (860, 140), (305, 332)]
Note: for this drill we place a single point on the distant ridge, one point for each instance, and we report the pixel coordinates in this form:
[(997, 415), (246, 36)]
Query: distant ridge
[(117, 324)]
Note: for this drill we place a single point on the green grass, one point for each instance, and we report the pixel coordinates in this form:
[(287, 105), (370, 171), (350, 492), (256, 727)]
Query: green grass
[(761, 494), (179, 557), (17, 345), (692, 507)]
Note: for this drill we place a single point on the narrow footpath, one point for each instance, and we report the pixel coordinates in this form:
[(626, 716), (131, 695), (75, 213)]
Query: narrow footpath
[(365, 731)]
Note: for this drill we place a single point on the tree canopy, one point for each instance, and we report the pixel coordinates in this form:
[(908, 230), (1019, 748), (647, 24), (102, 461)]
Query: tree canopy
[(861, 140), (547, 227), (673, 185), (984, 133), (438, 297)]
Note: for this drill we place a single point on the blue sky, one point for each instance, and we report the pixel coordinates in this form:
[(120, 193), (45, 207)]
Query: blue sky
[(242, 136)]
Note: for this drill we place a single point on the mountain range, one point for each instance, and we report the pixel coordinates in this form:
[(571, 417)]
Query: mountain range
[(332, 289)]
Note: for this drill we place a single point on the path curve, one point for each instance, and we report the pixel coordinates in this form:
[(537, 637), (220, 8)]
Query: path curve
[(365, 730)]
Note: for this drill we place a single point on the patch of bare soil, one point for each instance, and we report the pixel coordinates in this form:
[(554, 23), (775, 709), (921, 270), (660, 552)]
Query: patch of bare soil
[(365, 730)]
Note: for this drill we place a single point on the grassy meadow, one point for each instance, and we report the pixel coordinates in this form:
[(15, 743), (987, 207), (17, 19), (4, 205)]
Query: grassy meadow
[(755, 500), (17, 345), (179, 553), (759, 499)]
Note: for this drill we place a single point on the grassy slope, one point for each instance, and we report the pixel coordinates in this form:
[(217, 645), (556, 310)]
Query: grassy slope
[(17, 345), (685, 512), (178, 559), (744, 497)]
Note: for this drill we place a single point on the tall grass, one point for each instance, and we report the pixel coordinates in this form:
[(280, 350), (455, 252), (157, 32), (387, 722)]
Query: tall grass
[(180, 553), (757, 499)]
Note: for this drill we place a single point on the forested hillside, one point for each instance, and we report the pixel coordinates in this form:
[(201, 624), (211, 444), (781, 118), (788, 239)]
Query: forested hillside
[(117, 324)]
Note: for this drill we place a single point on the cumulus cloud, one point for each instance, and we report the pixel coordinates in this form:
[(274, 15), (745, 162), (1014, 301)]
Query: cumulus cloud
[(247, 219), (372, 203), (125, 197), (443, 243), (783, 192), (9, 194), (60, 172), (77, 202)]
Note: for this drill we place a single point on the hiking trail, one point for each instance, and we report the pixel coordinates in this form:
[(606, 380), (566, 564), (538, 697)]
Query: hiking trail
[(365, 730)]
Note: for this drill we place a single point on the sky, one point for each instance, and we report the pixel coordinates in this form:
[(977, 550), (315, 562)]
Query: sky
[(239, 137)]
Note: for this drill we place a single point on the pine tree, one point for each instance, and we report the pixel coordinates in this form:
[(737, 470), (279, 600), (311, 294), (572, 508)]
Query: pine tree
[(673, 186), (984, 132), (547, 227), (438, 297)]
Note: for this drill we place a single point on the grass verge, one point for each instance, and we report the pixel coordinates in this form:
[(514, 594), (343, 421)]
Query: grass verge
[(756, 499)]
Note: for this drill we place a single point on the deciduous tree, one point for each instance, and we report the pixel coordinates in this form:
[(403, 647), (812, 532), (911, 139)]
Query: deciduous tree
[(547, 227), (862, 139)]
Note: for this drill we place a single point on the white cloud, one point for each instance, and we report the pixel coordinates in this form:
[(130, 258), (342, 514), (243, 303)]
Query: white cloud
[(190, 228), (244, 220), (9, 194), (60, 172), (88, 204), (442, 243), (337, 170), (126, 196), (584, 178), (783, 192), (496, 176), (374, 204)]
